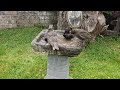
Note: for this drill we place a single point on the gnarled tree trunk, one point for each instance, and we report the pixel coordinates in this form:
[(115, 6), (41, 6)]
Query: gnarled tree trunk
[(62, 20), (93, 22)]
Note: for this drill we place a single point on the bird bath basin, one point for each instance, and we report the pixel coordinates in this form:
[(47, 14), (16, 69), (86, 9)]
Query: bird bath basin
[(69, 48)]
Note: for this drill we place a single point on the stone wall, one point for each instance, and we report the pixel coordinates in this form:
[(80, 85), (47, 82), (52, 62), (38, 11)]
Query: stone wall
[(8, 19), (11, 19)]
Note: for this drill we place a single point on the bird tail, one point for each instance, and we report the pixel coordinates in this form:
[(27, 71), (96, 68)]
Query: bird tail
[(55, 46)]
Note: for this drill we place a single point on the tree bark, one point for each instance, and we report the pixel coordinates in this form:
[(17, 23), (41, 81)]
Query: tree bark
[(117, 27), (62, 20), (92, 21)]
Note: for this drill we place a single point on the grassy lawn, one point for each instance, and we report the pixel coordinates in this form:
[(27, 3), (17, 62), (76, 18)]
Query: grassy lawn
[(100, 60)]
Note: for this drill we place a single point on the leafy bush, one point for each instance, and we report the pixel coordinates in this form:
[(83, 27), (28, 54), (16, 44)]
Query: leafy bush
[(108, 12)]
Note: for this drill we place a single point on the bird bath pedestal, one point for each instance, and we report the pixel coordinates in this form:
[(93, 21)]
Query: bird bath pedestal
[(58, 62), (58, 67)]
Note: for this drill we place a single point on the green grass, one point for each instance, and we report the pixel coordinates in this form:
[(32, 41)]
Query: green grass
[(100, 60), (17, 60)]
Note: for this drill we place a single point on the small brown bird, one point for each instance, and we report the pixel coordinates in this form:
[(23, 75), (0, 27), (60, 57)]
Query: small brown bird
[(52, 38), (81, 34)]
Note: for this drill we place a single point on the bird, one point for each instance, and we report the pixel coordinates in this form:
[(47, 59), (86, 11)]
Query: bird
[(81, 34), (51, 38), (67, 34)]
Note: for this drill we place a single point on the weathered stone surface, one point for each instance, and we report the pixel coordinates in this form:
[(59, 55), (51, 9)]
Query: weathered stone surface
[(69, 48), (57, 67), (10, 19)]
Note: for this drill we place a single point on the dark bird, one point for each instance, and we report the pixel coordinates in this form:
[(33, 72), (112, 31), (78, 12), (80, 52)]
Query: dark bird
[(67, 34), (51, 38)]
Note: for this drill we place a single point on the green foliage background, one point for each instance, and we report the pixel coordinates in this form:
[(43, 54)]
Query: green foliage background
[(108, 12)]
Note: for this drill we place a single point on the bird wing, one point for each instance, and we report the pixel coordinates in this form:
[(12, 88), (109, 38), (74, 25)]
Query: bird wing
[(52, 40)]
